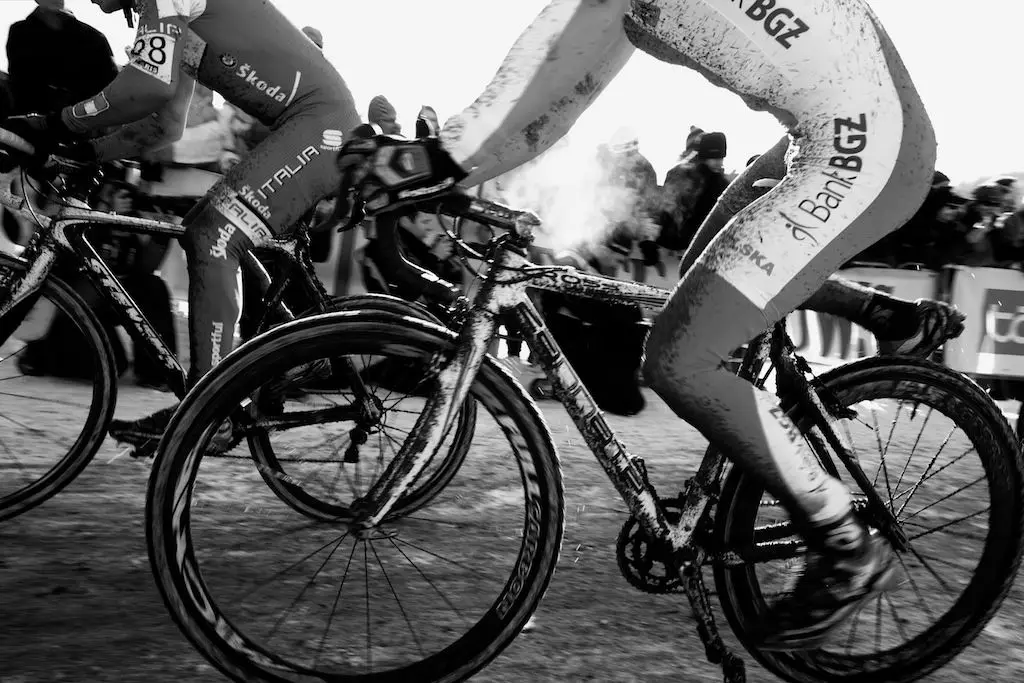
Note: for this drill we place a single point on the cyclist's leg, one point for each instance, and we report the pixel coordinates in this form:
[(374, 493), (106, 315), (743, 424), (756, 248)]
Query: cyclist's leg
[(557, 67), (862, 165), (260, 197), (263, 195), (901, 325)]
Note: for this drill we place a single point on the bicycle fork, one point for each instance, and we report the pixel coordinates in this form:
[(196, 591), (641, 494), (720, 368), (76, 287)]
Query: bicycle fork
[(41, 257), (454, 378)]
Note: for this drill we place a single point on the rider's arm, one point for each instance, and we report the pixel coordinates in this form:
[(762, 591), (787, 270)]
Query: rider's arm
[(147, 84), (151, 133), (556, 68)]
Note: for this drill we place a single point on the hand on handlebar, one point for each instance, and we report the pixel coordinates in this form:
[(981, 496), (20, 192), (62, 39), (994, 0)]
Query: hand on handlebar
[(386, 172), (41, 140)]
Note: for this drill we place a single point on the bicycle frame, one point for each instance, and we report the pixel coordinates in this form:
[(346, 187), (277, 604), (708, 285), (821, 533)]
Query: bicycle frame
[(65, 233), (503, 291)]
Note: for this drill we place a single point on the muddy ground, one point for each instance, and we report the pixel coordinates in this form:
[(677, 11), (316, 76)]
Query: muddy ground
[(78, 601)]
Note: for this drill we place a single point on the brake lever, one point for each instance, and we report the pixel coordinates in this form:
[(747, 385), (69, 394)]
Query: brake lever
[(348, 210)]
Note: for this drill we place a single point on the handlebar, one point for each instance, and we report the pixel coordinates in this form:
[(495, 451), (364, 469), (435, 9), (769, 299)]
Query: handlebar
[(419, 281)]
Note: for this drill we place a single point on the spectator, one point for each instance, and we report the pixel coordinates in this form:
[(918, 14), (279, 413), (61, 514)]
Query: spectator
[(384, 115), (692, 187), (55, 60), (923, 239), (427, 122), (134, 259), (628, 193)]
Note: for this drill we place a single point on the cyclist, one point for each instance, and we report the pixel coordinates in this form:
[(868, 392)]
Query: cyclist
[(262, 64), (858, 161)]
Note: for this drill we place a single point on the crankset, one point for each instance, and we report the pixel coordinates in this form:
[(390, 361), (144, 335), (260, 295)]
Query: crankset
[(648, 564)]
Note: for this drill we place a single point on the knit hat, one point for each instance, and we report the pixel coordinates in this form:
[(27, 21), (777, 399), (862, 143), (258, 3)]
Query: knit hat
[(427, 123), (712, 146), (380, 110), (693, 138)]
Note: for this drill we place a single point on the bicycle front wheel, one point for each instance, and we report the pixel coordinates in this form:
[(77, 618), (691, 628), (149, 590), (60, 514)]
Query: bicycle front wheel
[(945, 462), (54, 417), (269, 594)]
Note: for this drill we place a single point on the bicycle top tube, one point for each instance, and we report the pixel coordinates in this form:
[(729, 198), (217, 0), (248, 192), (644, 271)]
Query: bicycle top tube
[(74, 215)]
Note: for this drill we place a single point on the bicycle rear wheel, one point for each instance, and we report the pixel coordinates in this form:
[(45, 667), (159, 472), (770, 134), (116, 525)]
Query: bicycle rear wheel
[(52, 426), (982, 463), (454, 584)]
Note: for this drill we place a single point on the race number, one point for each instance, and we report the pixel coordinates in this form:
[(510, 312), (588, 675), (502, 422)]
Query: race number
[(153, 54)]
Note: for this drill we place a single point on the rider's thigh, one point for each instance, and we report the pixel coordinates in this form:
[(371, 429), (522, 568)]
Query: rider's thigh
[(284, 176), (861, 162)]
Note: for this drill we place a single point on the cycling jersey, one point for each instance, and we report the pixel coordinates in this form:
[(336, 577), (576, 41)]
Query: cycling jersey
[(859, 163), (265, 66)]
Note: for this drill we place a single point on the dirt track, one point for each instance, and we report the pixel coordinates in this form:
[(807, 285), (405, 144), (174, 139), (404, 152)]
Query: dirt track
[(78, 602)]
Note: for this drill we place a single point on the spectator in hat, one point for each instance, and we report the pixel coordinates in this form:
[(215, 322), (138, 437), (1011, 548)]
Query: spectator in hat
[(383, 114), (692, 187)]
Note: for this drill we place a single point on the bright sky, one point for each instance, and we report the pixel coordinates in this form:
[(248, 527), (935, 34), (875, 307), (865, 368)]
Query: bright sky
[(443, 52)]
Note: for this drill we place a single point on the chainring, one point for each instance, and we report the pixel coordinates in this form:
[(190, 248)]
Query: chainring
[(647, 564)]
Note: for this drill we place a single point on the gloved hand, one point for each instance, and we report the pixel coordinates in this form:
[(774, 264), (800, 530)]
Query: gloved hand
[(34, 137), (387, 172)]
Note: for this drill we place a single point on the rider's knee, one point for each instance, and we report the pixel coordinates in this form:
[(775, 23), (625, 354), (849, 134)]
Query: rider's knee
[(672, 357)]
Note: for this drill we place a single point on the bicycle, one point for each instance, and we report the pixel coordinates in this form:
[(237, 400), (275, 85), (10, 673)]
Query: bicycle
[(663, 547), (27, 279)]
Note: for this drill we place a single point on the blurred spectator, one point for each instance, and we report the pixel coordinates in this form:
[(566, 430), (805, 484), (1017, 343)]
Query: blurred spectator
[(427, 122), (629, 195), (200, 108), (382, 113), (134, 258), (692, 187), (55, 60), (314, 35), (926, 238), (213, 139)]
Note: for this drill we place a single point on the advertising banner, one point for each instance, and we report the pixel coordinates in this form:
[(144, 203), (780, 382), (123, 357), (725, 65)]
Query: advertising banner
[(993, 340)]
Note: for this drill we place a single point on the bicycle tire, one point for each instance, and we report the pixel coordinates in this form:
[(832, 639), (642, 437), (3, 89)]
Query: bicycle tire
[(104, 394), (168, 500), (989, 432), (424, 491)]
